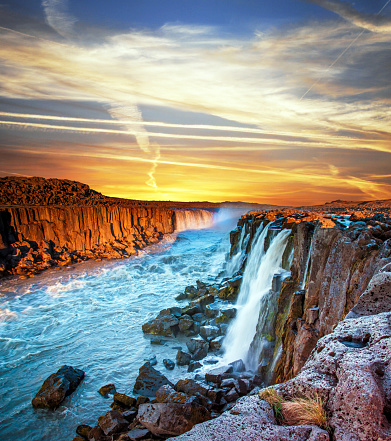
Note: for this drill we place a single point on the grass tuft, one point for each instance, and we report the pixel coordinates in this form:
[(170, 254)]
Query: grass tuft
[(308, 410), (271, 396)]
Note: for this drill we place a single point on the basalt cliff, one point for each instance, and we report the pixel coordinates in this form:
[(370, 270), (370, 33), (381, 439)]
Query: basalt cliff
[(48, 223)]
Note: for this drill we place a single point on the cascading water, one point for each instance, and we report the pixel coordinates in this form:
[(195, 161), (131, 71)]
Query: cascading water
[(235, 262), (193, 219), (257, 282)]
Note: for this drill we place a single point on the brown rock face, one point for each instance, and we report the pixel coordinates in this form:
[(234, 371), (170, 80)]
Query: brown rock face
[(36, 238)]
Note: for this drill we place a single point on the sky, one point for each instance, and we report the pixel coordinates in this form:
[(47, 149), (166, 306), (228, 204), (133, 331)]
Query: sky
[(284, 102)]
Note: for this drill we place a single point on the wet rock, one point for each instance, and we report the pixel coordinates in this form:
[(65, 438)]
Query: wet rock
[(164, 419), (124, 400), (185, 323), (194, 365), (142, 400), (231, 396), (199, 354), (209, 332), (113, 422), (238, 366), (130, 415), (202, 302), (242, 386), (79, 438), (107, 389), (216, 343), (212, 310), (149, 380), (200, 318), (183, 358), (196, 343), (83, 430), (138, 434), (216, 375), (164, 324), (168, 364), (151, 361), (215, 395), (56, 387), (97, 434), (192, 309), (191, 387)]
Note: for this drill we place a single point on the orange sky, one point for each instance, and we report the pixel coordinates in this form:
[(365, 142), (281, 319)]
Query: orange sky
[(295, 114)]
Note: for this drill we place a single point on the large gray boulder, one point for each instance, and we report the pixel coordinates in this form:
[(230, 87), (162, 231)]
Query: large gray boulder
[(56, 387), (251, 419), (350, 369)]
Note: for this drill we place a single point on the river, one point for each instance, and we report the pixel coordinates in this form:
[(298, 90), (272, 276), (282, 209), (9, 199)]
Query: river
[(89, 316)]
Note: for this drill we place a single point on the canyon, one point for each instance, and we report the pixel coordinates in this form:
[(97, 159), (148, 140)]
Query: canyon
[(322, 324)]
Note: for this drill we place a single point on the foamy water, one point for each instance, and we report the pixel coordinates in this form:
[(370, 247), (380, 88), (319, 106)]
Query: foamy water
[(90, 317)]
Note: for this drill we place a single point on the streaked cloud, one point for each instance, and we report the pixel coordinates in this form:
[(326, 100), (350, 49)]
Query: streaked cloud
[(370, 22), (251, 85)]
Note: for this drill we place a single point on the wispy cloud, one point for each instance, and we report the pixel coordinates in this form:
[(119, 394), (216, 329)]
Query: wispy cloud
[(371, 22), (58, 17), (255, 83)]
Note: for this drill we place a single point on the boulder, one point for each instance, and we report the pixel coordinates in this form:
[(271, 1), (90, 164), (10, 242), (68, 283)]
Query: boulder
[(349, 368), (149, 380), (185, 323), (83, 430), (56, 387), (137, 434), (168, 364), (124, 400), (196, 343), (216, 375), (209, 332), (183, 358), (163, 324), (251, 419), (216, 343), (238, 366), (191, 387), (113, 422), (194, 365), (107, 389), (164, 419)]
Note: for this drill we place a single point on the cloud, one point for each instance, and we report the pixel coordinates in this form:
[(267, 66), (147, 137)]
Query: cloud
[(254, 82), (57, 16), (371, 22)]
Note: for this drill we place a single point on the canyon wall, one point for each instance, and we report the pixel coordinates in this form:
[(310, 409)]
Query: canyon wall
[(331, 267), (34, 238)]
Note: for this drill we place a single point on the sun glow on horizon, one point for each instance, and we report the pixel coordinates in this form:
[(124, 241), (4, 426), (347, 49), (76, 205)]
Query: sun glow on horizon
[(189, 112)]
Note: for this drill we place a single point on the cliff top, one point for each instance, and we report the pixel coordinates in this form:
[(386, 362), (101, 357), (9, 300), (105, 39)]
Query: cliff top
[(37, 191)]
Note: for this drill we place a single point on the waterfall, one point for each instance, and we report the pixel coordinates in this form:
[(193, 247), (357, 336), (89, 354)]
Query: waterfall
[(235, 262), (193, 219), (257, 282)]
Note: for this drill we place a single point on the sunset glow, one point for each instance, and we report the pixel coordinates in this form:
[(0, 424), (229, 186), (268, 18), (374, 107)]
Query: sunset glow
[(284, 107)]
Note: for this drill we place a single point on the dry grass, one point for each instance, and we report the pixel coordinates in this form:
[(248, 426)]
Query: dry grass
[(305, 411), (271, 396)]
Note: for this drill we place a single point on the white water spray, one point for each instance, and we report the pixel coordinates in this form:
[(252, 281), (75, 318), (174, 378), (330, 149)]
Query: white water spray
[(257, 281)]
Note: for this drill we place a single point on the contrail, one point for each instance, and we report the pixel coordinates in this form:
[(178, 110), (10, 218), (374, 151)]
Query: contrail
[(179, 126), (258, 141), (341, 54)]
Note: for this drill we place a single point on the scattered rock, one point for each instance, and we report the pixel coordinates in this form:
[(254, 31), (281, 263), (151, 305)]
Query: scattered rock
[(113, 422), (106, 390), (183, 358), (169, 364), (164, 419), (56, 387), (149, 380)]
